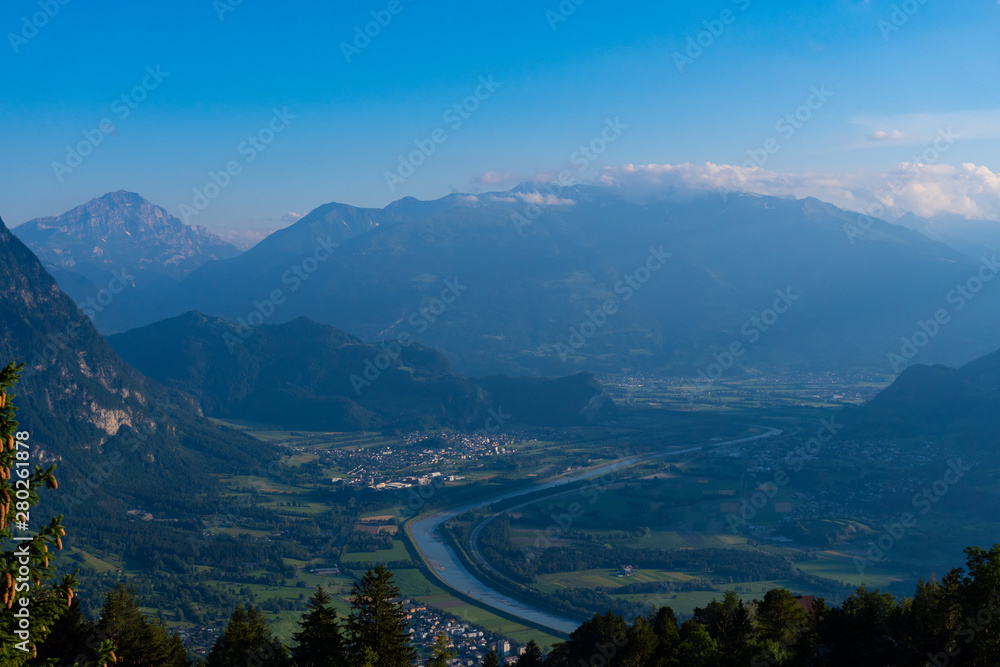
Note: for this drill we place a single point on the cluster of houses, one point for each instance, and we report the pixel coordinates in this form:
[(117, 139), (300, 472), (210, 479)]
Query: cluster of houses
[(470, 643), (387, 468)]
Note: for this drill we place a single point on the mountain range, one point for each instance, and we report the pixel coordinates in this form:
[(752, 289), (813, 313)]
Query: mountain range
[(551, 281), (120, 439), (937, 400), (973, 237), (305, 375), (548, 281), (119, 243)]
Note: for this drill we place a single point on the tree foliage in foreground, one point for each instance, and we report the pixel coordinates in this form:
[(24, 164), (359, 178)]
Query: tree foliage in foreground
[(377, 623), (954, 622), (320, 643), (32, 603)]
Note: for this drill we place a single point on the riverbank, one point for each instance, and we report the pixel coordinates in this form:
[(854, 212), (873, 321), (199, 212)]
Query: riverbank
[(447, 566)]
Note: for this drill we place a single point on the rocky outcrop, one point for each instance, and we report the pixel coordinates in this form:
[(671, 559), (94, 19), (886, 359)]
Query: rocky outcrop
[(121, 231)]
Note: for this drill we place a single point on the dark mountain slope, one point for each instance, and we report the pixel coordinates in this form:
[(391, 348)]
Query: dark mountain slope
[(302, 370), (305, 375), (89, 411), (937, 400)]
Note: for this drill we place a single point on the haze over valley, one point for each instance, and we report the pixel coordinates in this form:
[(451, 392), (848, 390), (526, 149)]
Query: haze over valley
[(570, 335)]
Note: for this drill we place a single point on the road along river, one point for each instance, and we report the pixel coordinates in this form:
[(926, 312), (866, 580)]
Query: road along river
[(442, 559)]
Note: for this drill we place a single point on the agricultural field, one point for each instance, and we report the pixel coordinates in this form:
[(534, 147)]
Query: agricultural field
[(396, 553), (695, 504), (747, 391), (292, 496)]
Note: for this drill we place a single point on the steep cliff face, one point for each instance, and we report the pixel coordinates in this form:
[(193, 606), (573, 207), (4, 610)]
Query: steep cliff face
[(117, 255), (87, 409), (121, 231)]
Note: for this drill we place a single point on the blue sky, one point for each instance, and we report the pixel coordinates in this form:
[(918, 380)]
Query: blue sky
[(223, 77)]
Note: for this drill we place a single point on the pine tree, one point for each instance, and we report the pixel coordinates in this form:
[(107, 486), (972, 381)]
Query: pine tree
[(368, 658), (491, 660), (247, 641), (641, 645), (532, 656), (19, 485), (780, 618), (669, 637), (378, 622), (440, 652), (979, 590), (67, 643), (697, 649), (320, 643), (602, 630), (139, 641)]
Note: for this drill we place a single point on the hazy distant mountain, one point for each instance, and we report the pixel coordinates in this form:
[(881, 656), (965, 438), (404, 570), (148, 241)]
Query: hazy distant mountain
[(122, 241), (305, 375), (124, 232), (973, 237), (518, 282), (326, 227), (88, 410), (937, 400)]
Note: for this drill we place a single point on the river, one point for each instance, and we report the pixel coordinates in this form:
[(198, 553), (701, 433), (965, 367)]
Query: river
[(443, 560)]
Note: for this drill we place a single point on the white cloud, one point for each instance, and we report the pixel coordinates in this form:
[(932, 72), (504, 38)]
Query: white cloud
[(291, 217), (924, 128), (969, 190), (544, 200), (882, 135)]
